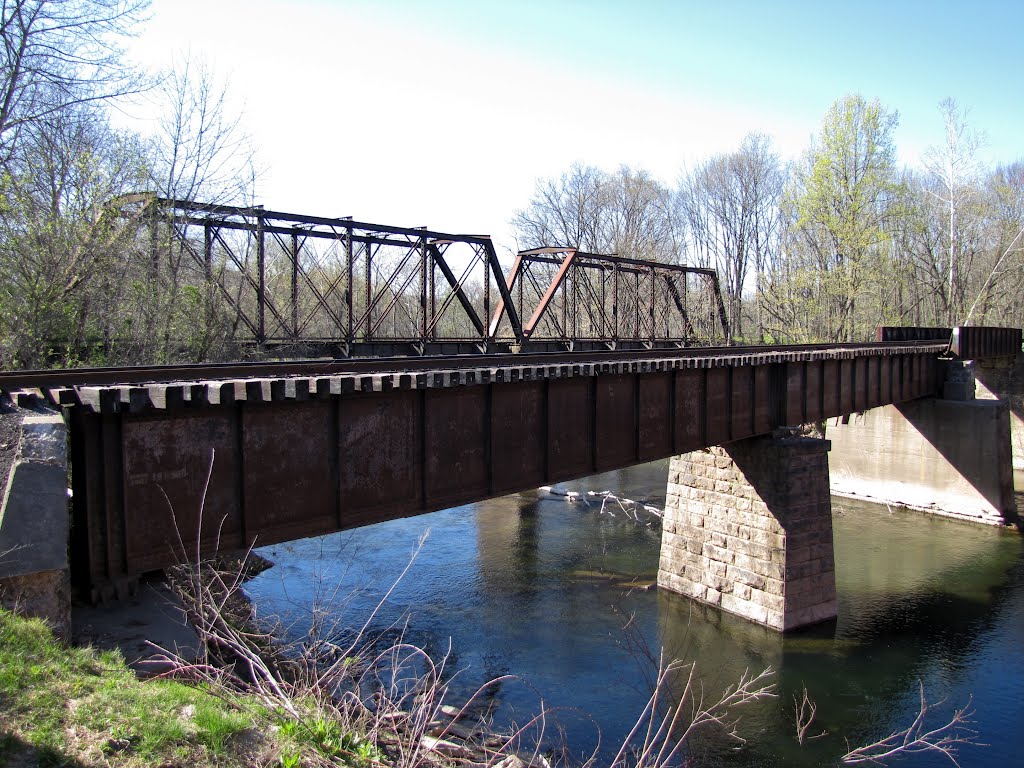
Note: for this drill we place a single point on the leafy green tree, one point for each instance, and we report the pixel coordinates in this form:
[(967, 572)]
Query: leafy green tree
[(62, 250), (843, 199)]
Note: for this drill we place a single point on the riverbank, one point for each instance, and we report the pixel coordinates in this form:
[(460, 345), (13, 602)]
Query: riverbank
[(188, 679), (84, 706), (70, 706)]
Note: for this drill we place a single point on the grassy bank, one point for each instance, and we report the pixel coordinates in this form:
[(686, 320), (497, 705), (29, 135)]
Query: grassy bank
[(321, 700), (66, 706)]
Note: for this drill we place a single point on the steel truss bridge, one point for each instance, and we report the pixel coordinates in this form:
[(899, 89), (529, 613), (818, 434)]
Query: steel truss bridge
[(363, 289)]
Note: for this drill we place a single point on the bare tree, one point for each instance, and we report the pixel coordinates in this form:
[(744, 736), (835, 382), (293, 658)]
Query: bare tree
[(201, 149), (731, 204), (955, 170), (61, 250), (54, 55), (201, 152), (628, 213), (563, 211), (944, 739)]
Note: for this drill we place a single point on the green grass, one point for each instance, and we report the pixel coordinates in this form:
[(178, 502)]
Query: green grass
[(61, 705)]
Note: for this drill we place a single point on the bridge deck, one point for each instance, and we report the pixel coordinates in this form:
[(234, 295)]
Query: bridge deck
[(171, 461), (164, 469), (145, 388)]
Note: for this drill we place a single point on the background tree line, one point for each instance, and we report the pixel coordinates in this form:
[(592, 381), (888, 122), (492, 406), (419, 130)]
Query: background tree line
[(78, 282), (823, 248)]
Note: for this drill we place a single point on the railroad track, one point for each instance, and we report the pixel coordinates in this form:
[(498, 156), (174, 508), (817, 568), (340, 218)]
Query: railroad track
[(139, 388)]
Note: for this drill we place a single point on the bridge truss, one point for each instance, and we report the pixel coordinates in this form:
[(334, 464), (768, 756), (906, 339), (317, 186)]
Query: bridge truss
[(371, 289)]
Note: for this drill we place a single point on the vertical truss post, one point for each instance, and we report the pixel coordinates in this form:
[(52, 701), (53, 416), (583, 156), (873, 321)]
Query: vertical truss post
[(651, 278), (636, 307), (295, 282), (615, 303), (721, 310), (208, 251), (154, 244), (565, 303), (686, 305), (261, 298), (434, 319), (369, 292), (424, 320), (488, 334), (349, 285), (576, 303), (603, 330), (208, 271)]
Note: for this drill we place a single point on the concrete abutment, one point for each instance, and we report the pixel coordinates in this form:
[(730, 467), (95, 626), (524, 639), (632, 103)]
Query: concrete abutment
[(748, 528), (944, 457), (951, 456), (34, 525)]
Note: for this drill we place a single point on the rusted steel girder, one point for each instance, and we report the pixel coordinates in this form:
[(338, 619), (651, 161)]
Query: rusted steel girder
[(576, 296), (911, 333), (965, 342), (162, 471), (974, 341)]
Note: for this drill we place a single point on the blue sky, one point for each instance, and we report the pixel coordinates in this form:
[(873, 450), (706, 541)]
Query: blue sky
[(445, 113)]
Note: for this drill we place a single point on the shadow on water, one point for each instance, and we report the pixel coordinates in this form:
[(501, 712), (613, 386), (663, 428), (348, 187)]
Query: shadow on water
[(539, 587)]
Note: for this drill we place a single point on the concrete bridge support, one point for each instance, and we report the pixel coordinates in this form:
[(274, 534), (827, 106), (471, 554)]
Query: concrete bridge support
[(748, 528), (941, 456), (34, 576), (950, 456), (1002, 378)]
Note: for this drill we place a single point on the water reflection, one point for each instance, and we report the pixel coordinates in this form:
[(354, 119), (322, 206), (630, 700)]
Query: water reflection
[(535, 586)]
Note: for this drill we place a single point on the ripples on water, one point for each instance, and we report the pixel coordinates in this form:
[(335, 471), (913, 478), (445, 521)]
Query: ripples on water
[(533, 586)]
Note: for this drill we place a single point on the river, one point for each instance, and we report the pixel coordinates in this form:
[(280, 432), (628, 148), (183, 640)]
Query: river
[(534, 586)]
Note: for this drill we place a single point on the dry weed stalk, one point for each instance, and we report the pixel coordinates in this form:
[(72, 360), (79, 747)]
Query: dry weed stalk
[(662, 730), (393, 697), (804, 710), (945, 739)]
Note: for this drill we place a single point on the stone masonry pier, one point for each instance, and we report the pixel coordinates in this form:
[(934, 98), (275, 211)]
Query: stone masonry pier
[(748, 528)]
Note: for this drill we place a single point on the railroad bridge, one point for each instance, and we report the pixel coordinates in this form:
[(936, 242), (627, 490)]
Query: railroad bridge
[(168, 462)]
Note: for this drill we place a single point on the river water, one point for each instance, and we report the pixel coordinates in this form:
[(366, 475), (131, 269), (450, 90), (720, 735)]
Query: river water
[(534, 586)]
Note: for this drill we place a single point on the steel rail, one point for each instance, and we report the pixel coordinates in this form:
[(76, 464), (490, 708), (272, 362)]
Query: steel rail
[(79, 377)]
